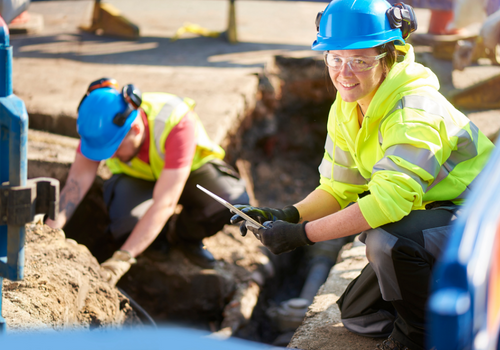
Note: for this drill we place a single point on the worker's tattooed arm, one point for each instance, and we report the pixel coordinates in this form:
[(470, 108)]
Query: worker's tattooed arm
[(71, 196), (81, 176)]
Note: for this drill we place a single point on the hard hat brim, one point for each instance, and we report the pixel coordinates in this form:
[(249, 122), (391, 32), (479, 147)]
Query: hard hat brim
[(325, 44)]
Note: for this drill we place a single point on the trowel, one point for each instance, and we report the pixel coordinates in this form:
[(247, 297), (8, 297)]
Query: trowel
[(249, 220)]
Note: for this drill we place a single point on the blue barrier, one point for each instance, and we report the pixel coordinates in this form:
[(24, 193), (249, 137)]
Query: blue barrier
[(460, 303), (20, 199), (13, 162)]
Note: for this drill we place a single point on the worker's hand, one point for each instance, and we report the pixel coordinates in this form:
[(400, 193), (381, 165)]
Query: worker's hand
[(288, 214), (281, 237), (116, 266)]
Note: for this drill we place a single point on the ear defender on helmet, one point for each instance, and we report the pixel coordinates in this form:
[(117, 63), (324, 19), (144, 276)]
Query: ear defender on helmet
[(318, 20), (131, 95), (402, 16), (133, 98)]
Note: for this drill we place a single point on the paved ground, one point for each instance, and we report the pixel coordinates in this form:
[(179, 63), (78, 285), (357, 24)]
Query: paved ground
[(52, 69)]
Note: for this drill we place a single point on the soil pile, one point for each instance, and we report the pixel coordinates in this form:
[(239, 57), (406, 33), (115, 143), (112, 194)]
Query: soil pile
[(61, 288)]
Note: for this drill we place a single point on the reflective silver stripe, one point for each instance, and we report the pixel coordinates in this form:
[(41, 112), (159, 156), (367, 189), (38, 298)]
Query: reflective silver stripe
[(466, 150), (325, 168), (329, 146), (430, 106), (469, 188), (343, 170), (348, 175), (344, 157), (424, 103), (161, 119), (466, 145), (387, 164), (421, 157), (427, 105)]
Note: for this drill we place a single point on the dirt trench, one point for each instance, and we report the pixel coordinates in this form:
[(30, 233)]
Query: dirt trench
[(277, 149), (62, 288)]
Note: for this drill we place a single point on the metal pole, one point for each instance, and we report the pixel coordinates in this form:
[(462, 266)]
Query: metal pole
[(13, 163)]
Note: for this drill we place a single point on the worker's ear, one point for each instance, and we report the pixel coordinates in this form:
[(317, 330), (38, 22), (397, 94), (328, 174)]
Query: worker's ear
[(135, 127)]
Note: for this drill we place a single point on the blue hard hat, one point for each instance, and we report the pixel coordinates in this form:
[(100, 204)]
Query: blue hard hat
[(355, 24), (100, 134)]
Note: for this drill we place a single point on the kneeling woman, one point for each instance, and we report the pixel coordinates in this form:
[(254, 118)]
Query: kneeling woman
[(395, 139)]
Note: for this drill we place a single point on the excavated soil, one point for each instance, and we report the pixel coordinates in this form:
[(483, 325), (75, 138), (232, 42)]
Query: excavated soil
[(61, 288)]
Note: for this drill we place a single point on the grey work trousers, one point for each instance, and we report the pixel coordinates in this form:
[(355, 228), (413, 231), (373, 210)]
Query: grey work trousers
[(390, 294), (128, 198)]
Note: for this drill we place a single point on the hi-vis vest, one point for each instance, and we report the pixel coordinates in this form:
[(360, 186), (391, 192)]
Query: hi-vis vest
[(164, 111)]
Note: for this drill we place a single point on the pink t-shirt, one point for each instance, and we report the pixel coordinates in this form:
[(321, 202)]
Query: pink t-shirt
[(180, 144)]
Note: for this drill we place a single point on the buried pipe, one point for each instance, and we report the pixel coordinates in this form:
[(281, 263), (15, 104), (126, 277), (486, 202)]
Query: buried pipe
[(323, 256), (239, 310), (315, 278), (290, 313)]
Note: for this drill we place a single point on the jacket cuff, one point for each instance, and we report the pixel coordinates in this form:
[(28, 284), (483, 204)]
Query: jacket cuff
[(292, 214), (308, 241), (371, 211)]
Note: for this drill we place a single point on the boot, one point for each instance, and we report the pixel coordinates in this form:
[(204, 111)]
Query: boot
[(391, 344)]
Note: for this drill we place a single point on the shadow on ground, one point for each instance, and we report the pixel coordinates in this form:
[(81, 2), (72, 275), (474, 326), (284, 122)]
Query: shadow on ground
[(153, 51)]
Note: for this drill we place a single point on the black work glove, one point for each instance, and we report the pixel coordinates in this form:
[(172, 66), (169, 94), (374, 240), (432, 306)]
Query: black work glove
[(281, 237), (288, 213)]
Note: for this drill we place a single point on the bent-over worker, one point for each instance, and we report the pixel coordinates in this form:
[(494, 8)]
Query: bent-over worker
[(157, 150)]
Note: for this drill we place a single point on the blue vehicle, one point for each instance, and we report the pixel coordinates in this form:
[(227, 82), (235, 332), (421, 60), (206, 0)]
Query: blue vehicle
[(464, 306)]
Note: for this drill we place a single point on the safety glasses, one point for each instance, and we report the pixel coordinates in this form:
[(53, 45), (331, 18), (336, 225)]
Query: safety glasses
[(357, 64)]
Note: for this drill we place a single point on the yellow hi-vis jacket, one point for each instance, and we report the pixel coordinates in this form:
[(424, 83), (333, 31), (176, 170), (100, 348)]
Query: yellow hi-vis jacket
[(412, 148), (164, 111)]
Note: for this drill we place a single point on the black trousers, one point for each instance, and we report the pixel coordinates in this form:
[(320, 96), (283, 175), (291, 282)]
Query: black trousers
[(390, 294), (128, 198)]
